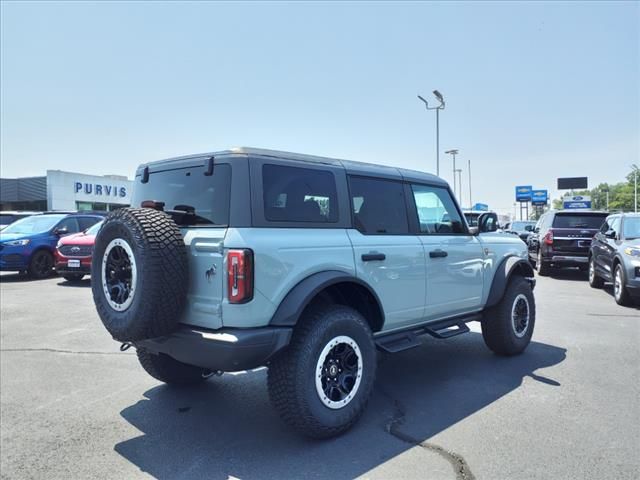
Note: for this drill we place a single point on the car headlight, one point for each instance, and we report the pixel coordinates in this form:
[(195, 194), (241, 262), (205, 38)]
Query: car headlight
[(59, 244), (18, 243), (632, 251)]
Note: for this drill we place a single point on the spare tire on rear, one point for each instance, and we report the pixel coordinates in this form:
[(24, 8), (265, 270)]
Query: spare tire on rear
[(139, 274)]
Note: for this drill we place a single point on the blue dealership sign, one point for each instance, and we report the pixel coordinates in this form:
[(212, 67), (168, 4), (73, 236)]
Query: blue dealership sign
[(576, 201), (482, 207), (539, 197), (523, 193)]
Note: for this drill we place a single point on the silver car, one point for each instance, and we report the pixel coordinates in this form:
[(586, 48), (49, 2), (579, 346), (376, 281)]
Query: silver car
[(615, 257)]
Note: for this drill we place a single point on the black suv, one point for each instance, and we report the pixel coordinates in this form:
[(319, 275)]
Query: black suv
[(562, 239)]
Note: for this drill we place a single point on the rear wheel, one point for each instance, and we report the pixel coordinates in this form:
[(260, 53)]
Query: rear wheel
[(41, 265), (594, 280), (167, 370), (321, 384), (73, 277), (507, 328), (543, 269), (620, 292)]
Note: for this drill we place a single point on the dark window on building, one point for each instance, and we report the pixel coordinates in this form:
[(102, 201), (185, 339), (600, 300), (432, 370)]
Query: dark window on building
[(293, 194), (378, 206)]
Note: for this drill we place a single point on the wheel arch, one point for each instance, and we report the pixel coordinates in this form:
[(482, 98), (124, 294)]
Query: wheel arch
[(511, 265), (330, 286)]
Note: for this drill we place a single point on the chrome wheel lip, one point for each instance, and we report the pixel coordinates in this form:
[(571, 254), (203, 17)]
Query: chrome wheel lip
[(516, 321), (119, 242), (617, 283), (341, 339)]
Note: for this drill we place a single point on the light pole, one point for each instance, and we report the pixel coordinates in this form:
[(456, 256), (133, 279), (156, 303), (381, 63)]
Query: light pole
[(459, 171), (437, 108), (453, 152), (635, 190), (470, 202)]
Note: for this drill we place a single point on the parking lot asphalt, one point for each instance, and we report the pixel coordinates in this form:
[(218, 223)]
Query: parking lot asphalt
[(74, 407)]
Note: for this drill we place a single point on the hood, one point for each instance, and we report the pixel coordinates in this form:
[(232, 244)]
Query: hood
[(630, 243), (78, 239)]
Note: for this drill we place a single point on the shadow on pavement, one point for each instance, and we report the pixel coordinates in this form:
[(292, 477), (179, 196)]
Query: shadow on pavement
[(15, 277), (226, 427), (572, 274), (84, 283)]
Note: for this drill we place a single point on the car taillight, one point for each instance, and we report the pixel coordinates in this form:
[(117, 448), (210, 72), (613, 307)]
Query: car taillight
[(240, 275), (548, 238)]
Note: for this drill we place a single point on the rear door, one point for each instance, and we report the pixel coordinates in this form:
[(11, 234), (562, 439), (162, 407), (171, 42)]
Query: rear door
[(454, 258), (387, 256), (206, 198)]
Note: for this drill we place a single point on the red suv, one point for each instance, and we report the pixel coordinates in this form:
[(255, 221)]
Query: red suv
[(73, 254)]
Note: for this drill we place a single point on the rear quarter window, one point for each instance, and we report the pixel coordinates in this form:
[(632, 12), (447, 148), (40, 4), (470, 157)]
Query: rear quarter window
[(568, 220), (294, 194)]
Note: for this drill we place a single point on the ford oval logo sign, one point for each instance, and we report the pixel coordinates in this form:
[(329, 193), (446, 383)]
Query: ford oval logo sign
[(75, 249)]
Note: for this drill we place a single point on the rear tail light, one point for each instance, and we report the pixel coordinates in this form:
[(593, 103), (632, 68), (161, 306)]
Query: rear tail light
[(240, 275), (548, 238)]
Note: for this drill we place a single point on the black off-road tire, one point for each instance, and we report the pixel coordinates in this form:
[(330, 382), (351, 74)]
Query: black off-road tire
[(292, 375), (594, 280), (73, 277), (41, 265), (170, 371), (499, 330), (158, 295)]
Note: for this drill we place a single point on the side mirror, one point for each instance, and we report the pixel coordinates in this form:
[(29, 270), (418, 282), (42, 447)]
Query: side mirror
[(488, 222), (529, 228), (536, 230), (610, 234), (61, 231)]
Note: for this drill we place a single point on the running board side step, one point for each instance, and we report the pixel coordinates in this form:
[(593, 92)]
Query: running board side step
[(400, 341)]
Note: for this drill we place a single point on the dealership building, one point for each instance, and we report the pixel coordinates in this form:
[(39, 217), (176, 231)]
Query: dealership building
[(60, 190)]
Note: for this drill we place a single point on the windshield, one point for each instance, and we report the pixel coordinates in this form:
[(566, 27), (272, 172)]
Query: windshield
[(195, 198), (7, 219), (631, 228), (94, 229), (35, 224), (579, 220)]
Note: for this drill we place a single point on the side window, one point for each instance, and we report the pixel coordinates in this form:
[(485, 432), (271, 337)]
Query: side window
[(70, 223), (86, 222), (437, 213), (615, 225), (293, 194), (378, 206), (605, 227)]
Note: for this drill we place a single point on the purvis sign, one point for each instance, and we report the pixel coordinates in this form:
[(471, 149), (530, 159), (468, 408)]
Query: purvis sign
[(100, 189)]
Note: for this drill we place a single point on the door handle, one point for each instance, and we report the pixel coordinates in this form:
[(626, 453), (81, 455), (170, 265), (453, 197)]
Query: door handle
[(438, 253), (369, 257)]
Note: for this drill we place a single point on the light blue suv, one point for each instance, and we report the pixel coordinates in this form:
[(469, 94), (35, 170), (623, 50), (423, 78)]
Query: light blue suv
[(307, 265)]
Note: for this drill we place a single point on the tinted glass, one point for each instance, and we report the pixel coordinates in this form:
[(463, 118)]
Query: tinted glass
[(87, 222), (521, 226), (71, 224), (472, 218), (615, 224), (378, 206), (35, 224), (292, 194), (605, 226), (631, 228), (94, 229), (189, 189), (437, 213), (7, 219), (578, 220)]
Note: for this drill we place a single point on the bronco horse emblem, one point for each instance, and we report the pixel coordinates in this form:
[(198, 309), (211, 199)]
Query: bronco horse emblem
[(210, 273)]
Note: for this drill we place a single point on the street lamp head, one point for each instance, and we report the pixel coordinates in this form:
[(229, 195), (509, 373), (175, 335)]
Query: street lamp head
[(438, 96), (452, 152), (425, 102)]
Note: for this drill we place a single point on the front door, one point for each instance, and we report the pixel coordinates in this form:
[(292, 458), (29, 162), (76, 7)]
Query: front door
[(387, 256), (454, 258)]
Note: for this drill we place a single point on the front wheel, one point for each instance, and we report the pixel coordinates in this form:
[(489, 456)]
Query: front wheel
[(41, 265), (507, 328), (543, 270), (321, 384)]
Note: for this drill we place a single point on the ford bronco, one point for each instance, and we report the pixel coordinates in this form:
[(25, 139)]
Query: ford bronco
[(306, 265)]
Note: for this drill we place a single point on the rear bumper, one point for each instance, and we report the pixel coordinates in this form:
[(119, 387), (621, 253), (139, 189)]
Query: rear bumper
[(569, 259), (226, 349)]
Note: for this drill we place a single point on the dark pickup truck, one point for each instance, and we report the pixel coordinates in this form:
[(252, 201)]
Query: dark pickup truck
[(562, 238)]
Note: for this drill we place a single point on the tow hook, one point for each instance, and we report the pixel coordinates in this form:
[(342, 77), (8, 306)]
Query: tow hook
[(125, 346)]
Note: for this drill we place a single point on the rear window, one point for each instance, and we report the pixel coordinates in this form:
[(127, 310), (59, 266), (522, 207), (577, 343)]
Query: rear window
[(293, 194), (205, 198), (577, 220)]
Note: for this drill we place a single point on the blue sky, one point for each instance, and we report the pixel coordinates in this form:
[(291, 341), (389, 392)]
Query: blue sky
[(534, 90)]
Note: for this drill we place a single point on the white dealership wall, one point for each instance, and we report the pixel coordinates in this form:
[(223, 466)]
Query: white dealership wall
[(64, 189)]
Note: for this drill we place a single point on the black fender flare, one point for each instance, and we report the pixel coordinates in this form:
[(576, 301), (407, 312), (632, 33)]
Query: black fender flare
[(506, 269), (299, 297)]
